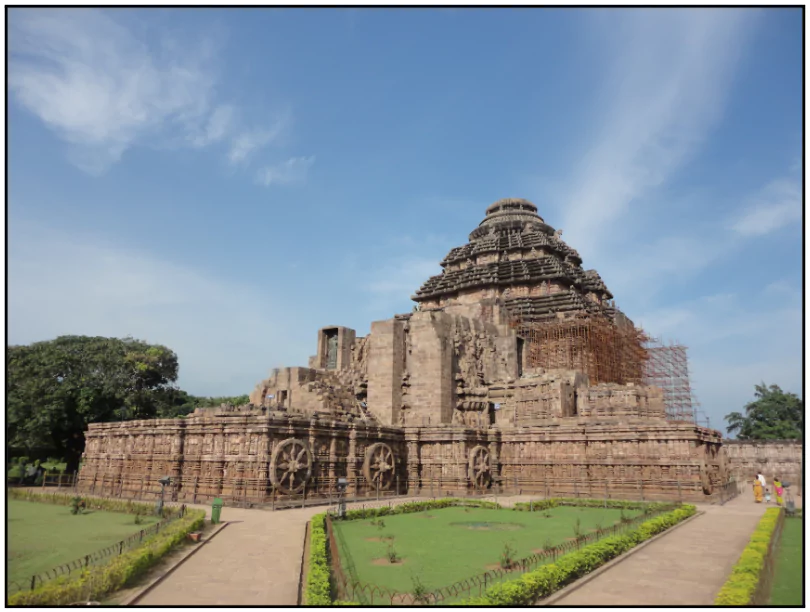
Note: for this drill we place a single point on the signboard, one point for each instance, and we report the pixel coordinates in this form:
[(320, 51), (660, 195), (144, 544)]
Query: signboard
[(497, 406)]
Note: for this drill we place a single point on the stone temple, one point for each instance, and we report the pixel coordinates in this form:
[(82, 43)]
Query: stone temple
[(515, 372)]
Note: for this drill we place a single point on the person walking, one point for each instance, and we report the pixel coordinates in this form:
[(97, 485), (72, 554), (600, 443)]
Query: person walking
[(778, 489), (757, 491)]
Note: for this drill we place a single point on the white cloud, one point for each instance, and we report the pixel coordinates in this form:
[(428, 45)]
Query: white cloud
[(294, 170), (665, 90), (777, 205), (103, 90), (249, 142), (227, 335)]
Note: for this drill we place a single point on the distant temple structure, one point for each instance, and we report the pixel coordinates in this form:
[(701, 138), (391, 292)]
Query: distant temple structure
[(515, 371)]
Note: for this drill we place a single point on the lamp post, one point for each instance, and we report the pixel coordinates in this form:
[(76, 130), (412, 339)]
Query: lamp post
[(163, 482), (342, 484)]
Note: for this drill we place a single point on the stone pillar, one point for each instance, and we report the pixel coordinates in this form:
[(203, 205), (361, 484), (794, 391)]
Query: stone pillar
[(414, 459), (351, 463), (386, 364)]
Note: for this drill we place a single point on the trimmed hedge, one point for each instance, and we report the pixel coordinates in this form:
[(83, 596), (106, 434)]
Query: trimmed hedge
[(94, 582), (741, 585), (522, 591), (420, 506), (96, 503), (546, 579), (318, 589), (553, 502)]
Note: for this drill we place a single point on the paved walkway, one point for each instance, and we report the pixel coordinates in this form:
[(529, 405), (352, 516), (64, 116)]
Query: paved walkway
[(684, 568), (255, 560)]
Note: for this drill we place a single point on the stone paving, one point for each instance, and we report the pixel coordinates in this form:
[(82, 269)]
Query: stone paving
[(256, 560), (685, 568)]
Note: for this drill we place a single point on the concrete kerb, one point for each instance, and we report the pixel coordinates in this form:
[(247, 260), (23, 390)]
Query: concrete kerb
[(552, 599), (133, 599)]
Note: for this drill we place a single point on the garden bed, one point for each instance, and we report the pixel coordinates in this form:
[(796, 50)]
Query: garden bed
[(453, 540)]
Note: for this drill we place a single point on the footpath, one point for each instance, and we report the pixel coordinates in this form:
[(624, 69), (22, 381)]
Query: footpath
[(686, 567), (254, 561)]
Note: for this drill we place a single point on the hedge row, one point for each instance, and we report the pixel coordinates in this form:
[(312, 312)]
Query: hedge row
[(553, 502), (318, 591), (419, 506), (741, 585), (95, 503), (95, 582), (546, 579)]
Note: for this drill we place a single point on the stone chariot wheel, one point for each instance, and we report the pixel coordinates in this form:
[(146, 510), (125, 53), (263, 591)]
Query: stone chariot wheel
[(290, 466), (378, 466), (480, 467)]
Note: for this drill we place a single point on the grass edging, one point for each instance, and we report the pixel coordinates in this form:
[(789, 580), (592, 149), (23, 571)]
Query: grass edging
[(94, 503), (547, 579), (742, 583), (318, 586), (574, 586), (94, 582)]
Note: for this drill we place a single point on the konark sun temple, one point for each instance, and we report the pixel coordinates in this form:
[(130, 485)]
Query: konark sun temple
[(515, 372)]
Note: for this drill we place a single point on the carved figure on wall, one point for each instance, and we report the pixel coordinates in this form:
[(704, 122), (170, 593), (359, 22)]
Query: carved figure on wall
[(378, 466), (291, 466), (558, 234), (480, 467)]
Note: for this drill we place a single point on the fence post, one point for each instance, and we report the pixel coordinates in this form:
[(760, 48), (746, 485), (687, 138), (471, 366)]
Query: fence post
[(33, 581), (121, 547)]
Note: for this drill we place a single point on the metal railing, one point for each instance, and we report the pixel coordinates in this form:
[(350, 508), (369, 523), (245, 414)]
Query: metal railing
[(95, 558), (349, 588)]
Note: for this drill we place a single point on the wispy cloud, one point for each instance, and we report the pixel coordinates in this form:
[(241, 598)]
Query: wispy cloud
[(248, 142), (665, 90), (103, 90), (225, 346), (777, 205), (294, 170)]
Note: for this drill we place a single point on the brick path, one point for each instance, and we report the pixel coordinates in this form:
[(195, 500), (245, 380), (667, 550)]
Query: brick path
[(685, 568)]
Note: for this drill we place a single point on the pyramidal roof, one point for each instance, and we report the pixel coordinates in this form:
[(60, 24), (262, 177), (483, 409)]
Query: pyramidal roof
[(514, 246)]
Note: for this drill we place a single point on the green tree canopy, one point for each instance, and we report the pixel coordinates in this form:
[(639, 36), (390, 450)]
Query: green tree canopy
[(773, 415), (57, 387)]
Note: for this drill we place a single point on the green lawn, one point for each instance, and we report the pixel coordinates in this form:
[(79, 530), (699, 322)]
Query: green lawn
[(42, 536), (787, 583), (441, 547)]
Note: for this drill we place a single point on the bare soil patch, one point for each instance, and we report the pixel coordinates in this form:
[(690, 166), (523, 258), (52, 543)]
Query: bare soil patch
[(385, 561), (381, 539)]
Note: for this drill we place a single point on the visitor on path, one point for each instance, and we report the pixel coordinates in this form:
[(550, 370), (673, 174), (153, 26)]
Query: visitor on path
[(757, 491), (767, 496), (777, 488), (761, 479)]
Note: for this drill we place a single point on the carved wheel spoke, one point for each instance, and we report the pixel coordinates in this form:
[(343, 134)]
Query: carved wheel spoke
[(291, 466), (480, 471), (379, 466)]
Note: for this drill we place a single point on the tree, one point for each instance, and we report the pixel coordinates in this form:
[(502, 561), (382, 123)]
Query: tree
[(57, 387), (773, 415)]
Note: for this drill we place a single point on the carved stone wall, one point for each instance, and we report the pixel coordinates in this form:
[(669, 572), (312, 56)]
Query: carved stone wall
[(235, 456), (240, 455), (771, 457)]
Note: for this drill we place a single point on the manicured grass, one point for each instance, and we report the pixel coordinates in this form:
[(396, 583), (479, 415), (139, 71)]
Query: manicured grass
[(42, 536), (787, 582), (439, 551)]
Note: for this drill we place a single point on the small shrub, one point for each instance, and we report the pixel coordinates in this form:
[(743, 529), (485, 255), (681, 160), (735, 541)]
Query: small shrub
[(507, 556), (548, 546), (578, 529), (419, 591), (391, 554), (138, 519), (381, 524)]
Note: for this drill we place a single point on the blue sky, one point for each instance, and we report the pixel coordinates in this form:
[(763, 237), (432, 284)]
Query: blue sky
[(225, 182)]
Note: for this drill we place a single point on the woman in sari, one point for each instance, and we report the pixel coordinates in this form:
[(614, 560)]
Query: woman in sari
[(757, 491), (778, 489)]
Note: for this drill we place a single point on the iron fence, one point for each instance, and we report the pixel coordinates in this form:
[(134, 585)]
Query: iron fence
[(94, 558), (349, 588)]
